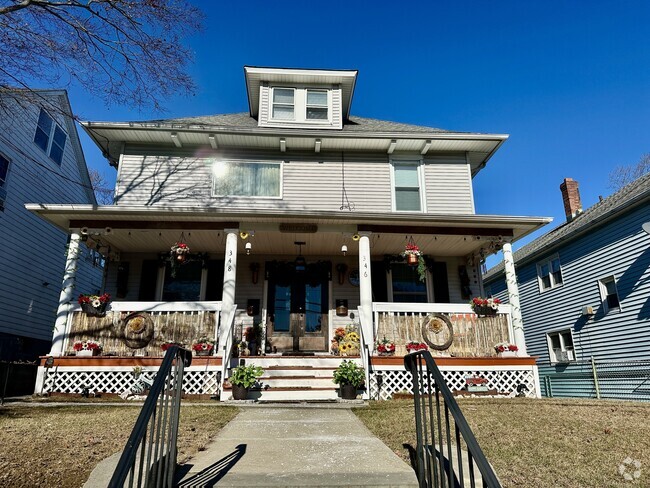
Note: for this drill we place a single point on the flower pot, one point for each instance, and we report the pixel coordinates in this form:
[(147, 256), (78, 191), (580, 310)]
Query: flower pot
[(392, 353), (180, 258), (412, 259), (348, 392), (239, 392), (88, 352), (203, 352), (89, 310), (485, 311), (507, 354)]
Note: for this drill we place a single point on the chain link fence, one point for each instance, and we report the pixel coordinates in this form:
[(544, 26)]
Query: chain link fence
[(623, 380)]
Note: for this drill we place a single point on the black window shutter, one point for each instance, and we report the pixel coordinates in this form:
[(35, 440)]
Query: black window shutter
[(379, 281), (214, 288), (148, 280)]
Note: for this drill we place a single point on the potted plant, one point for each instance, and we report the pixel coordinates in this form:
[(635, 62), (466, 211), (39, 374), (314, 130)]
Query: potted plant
[(350, 377), (485, 307), (87, 348), (413, 346), (94, 305), (346, 341), (242, 378), (203, 346), (179, 252), (505, 350), (385, 347)]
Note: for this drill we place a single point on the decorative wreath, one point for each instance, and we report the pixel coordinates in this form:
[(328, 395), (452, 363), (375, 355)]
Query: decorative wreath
[(433, 325), (137, 330)]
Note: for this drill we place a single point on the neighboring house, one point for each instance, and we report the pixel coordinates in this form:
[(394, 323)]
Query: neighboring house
[(40, 161), (295, 214), (585, 294)]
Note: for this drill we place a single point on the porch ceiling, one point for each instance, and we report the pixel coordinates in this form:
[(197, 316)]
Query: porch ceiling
[(148, 229)]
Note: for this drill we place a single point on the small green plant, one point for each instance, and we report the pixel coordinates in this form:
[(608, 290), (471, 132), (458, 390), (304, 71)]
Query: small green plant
[(245, 376), (349, 373)]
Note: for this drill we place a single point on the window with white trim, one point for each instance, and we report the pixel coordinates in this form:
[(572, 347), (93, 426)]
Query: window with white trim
[(407, 195), (317, 105), (609, 294), (549, 273), (406, 284), (50, 137), (246, 179), (560, 346), (283, 104)]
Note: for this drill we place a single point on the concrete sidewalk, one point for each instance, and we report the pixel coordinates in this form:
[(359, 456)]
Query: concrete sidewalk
[(296, 447)]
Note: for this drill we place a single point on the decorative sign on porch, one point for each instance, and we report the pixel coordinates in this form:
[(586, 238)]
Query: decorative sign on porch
[(437, 331), (299, 228), (476, 383)]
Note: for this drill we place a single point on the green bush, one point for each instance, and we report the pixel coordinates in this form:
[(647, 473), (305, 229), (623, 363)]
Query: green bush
[(348, 373), (245, 376)]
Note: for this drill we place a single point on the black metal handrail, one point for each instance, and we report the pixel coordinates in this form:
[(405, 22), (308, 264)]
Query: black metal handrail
[(149, 457), (438, 462)]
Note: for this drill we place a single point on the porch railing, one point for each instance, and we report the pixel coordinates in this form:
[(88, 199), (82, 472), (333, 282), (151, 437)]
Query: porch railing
[(149, 458), (447, 453)]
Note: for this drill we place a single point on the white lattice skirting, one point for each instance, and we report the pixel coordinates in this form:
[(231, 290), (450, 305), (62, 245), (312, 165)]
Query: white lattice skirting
[(70, 379), (503, 379)]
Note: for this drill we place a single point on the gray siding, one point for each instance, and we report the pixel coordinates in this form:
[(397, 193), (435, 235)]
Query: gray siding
[(33, 251), (310, 181)]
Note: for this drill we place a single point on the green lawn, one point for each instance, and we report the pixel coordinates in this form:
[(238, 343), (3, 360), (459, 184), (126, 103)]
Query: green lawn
[(539, 443)]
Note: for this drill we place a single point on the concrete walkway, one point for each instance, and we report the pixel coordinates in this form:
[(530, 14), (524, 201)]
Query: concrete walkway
[(293, 447)]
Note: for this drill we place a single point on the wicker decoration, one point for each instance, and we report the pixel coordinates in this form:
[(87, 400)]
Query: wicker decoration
[(137, 330), (437, 331)]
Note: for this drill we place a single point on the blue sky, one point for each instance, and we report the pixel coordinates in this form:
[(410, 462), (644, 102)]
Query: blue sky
[(568, 80)]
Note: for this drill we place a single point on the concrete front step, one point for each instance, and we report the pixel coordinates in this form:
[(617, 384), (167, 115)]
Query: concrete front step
[(302, 361), (280, 372), (297, 382)]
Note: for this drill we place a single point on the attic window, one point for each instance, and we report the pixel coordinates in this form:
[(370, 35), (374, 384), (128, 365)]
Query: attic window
[(317, 105), (283, 103), (50, 137)]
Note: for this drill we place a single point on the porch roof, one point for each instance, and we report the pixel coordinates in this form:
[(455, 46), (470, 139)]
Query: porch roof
[(154, 229)]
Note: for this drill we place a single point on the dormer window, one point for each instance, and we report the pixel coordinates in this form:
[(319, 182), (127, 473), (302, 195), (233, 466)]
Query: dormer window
[(317, 106), (283, 103)]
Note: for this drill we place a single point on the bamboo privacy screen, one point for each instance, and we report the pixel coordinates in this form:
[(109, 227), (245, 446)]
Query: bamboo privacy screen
[(180, 327), (473, 336)]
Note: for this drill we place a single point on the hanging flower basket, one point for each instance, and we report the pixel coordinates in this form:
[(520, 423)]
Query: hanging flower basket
[(94, 305), (414, 257)]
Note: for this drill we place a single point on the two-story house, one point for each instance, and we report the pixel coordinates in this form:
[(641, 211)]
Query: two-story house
[(40, 160), (295, 215), (584, 290)]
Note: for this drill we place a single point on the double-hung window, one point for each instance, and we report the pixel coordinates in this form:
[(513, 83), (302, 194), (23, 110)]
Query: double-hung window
[(560, 346), (609, 294), (407, 194), (549, 273), (317, 105), (50, 137), (247, 179), (283, 104)]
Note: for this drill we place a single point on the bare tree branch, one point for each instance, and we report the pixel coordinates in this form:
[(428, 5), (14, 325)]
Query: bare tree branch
[(623, 175), (127, 52), (103, 193)]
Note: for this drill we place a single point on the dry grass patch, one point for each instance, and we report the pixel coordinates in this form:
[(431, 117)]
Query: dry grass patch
[(60, 446), (549, 442)]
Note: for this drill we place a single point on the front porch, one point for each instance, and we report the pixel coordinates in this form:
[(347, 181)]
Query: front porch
[(291, 280)]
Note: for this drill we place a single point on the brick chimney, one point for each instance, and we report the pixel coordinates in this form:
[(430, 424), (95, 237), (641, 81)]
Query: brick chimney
[(571, 198)]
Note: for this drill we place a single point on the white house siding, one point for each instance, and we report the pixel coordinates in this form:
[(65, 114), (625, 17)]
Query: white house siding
[(311, 181), (448, 184), (619, 248), (33, 251)]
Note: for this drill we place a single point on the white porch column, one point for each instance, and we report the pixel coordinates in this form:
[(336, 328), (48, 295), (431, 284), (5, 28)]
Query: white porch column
[(229, 277), (67, 295), (513, 298), (365, 286)]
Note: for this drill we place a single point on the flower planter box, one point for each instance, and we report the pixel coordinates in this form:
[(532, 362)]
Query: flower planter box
[(91, 311), (88, 352), (508, 354), (485, 311), (206, 352)]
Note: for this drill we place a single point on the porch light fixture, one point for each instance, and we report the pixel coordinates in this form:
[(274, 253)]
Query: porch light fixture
[(344, 249), (300, 263), (248, 247)]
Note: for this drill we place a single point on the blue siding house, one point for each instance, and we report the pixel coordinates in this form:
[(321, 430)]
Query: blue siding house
[(585, 296), (41, 160)]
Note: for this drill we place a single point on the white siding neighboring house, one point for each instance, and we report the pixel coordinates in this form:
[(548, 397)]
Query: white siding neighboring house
[(40, 161)]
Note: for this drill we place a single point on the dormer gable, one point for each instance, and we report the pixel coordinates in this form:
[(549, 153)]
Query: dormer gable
[(300, 98)]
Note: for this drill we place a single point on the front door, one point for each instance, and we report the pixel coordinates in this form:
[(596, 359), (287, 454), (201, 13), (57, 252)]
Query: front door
[(298, 306)]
